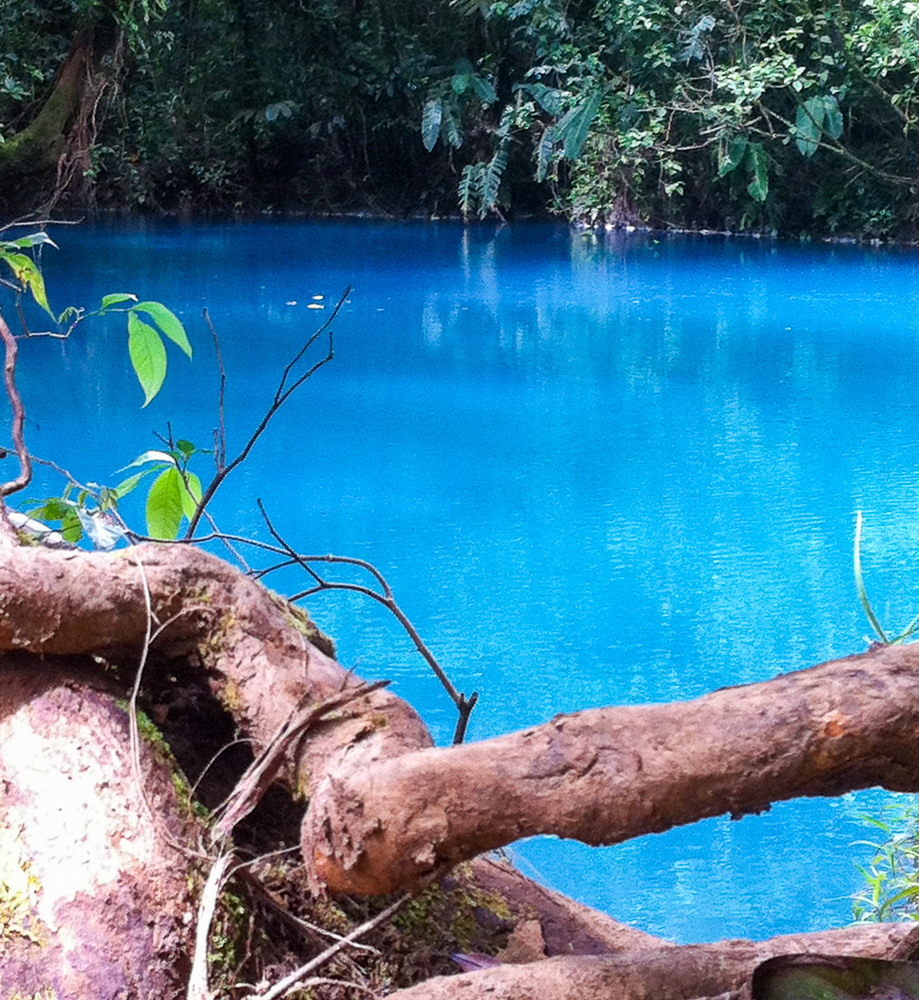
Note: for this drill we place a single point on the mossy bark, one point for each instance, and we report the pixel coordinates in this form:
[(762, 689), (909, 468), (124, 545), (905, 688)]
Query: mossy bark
[(29, 159)]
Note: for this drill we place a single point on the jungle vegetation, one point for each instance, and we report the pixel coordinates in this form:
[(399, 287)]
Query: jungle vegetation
[(790, 117)]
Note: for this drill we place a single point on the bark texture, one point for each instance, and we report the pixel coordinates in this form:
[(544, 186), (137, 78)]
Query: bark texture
[(605, 775), (565, 927), (95, 899), (262, 656), (721, 971)]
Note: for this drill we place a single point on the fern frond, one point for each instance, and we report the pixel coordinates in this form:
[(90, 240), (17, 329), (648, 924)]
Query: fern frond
[(470, 188), (491, 180), (431, 116)]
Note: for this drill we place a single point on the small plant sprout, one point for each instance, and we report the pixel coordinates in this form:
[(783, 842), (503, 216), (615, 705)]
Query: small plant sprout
[(883, 637)]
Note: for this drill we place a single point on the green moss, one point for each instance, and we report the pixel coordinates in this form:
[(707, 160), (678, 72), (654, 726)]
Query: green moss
[(301, 622), (231, 698), (447, 920), (165, 759), (19, 891), (227, 943)]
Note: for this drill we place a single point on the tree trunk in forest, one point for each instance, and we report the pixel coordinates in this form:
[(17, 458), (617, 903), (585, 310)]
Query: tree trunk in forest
[(41, 161), (99, 876)]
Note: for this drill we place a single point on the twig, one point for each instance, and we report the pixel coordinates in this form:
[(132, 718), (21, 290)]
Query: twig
[(150, 637), (298, 975), (303, 927), (282, 394), (197, 980), (464, 705), (220, 432), (19, 414), (26, 221)]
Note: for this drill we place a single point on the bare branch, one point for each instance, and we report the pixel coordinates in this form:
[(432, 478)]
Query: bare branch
[(220, 433), (9, 380), (282, 394), (298, 975), (464, 705)]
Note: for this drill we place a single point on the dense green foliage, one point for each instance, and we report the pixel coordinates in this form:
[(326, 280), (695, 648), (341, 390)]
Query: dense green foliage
[(796, 117)]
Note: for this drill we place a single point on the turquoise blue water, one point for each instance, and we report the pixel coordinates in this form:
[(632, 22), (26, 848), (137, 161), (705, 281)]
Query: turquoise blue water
[(596, 470)]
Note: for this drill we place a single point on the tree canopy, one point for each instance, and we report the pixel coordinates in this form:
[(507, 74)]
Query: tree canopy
[(771, 116)]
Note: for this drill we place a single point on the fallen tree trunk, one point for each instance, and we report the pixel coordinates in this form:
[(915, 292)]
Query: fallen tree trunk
[(60, 613), (721, 971), (605, 775), (387, 809), (264, 658)]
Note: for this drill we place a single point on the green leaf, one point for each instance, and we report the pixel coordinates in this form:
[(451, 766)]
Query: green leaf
[(573, 128), (860, 583), (833, 122), (756, 160), (191, 497), (53, 509), (470, 187), (34, 240), (731, 154), (450, 130), (150, 456), (167, 321), (27, 273), (491, 183), (116, 298), (549, 98), (430, 123), (71, 528), (129, 484), (186, 447), (485, 89), (69, 313), (148, 356), (544, 153), (165, 505), (809, 125)]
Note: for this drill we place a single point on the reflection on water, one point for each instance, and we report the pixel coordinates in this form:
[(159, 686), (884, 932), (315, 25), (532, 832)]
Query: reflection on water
[(596, 471)]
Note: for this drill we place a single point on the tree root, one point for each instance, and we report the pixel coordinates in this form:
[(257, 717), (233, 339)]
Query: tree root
[(605, 775)]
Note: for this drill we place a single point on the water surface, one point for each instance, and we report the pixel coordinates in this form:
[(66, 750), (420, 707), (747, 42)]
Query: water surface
[(595, 471)]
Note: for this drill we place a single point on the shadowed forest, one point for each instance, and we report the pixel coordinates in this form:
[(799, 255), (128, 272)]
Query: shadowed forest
[(789, 118)]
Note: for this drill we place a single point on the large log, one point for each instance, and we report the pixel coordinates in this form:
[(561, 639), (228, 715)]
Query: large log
[(720, 971), (606, 775), (263, 658)]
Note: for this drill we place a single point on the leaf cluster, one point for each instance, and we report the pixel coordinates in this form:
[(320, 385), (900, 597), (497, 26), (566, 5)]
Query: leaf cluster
[(791, 117)]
